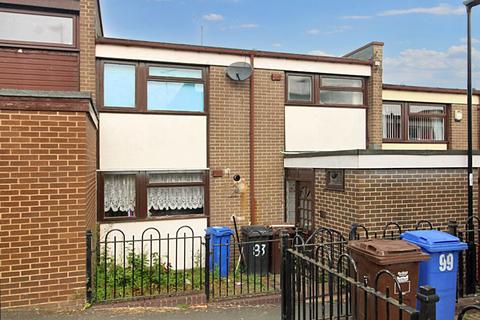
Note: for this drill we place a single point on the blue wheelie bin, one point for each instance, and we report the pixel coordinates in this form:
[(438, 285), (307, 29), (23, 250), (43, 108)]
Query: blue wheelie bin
[(220, 249), (440, 271)]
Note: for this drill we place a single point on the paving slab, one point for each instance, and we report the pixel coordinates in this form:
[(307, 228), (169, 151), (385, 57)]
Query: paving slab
[(264, 312)]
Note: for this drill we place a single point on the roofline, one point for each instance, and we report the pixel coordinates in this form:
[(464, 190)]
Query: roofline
[(99, 14), (232, 51), (368, 152), (401, 87), (373, 43)]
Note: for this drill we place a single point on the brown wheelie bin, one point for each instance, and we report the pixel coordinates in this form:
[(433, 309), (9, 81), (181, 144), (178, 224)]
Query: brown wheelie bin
[(397, 256), (276, 255)]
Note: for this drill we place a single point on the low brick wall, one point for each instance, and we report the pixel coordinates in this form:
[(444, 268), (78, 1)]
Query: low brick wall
[(377, 196)]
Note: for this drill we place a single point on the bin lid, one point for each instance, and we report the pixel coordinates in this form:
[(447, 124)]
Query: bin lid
[(257, 230), (387, 252), (219, 231), (434, 240)]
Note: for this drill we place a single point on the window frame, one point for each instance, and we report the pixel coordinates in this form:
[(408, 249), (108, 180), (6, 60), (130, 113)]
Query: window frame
[(405, 117), (44, 45), (141, 186), (312, 88), (141, 86), (317, 87)]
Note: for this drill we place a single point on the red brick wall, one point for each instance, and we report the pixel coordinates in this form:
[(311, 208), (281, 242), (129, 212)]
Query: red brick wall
[(375, 197), (458, 130), (43, 182), (87, 46)]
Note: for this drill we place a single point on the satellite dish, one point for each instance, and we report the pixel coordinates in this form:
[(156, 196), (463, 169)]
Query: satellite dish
[(239, 71)]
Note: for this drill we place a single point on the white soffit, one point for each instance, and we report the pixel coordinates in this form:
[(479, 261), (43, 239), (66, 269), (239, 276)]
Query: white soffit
[(205, 58), (386, 161), (426, 97)]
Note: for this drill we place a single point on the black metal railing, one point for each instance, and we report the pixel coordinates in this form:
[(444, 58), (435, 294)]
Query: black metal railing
[(122, 268), (243, 268), (324, 288), (148, 266), (469, 312)]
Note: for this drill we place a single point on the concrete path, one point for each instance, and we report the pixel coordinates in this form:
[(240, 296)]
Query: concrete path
[(202, 313)]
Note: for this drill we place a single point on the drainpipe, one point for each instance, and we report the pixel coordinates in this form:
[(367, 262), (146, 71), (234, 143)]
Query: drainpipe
[(253, 213)]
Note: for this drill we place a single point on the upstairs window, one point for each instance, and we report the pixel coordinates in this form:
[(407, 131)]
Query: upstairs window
[(341, 91), (37, 28), (300, 88), (175, 89), (119, 85), (143, 87), (413, 122), (325, 90)]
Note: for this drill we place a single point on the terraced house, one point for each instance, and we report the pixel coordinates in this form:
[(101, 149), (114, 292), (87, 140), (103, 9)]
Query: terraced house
[(100, 134)]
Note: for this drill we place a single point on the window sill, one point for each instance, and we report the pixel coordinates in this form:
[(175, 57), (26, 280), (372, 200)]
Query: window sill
[(164, 218), (414, 145)]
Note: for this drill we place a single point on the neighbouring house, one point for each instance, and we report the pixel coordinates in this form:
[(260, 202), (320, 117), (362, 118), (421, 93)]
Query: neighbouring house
[(48, 143), (101, 134)]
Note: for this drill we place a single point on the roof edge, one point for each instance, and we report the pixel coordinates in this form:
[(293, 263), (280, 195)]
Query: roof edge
[(401, 87), (366, 152), (232, 51)]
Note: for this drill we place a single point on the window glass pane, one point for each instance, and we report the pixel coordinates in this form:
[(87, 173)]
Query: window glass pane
[(341, 97), (175, 72), (299, 88), (36, 28), (426, 109), (175, 96), (175, 177), (119, 195), (341, 82), (164, 201), (119, 85), (392, 114), (423, 128)]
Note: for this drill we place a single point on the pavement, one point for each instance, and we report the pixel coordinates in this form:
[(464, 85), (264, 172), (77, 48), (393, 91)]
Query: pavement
[(263, 312)]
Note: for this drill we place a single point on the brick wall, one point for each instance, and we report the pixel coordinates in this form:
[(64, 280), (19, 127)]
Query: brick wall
[(374, 92), (375, 197), (45, 180), (91, 177), (269, 144), (458, 130), (87, 45), (229, 147)]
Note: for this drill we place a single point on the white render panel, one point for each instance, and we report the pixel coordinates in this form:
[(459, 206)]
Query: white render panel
[(324, 129), (426, 97), (216, 59), (165, 227), (152, 142), (381, 161)]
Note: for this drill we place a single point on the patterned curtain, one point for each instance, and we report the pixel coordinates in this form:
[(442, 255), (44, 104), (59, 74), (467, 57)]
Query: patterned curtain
[(175, 198), (119, 193)]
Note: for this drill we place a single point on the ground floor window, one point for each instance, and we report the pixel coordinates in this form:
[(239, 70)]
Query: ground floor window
[(144, 195), (414, 122)]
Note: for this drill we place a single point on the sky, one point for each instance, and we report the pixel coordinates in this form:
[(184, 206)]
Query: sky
[(425, 40)]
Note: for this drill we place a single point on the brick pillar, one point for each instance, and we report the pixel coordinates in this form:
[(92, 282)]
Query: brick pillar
[(374, 111), (88, 9)]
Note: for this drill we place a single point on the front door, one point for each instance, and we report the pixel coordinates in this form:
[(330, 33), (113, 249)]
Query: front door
[(304, 212)]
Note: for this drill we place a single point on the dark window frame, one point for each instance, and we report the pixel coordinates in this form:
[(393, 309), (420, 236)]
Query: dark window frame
[(141, 80), (317, 87), (141, 186), (44, 45), (405, 116)]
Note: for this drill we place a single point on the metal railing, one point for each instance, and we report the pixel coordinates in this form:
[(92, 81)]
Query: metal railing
[(325, 288)]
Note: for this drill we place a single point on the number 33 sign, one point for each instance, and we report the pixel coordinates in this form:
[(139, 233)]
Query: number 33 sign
[(259, 250), (445, 262)]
